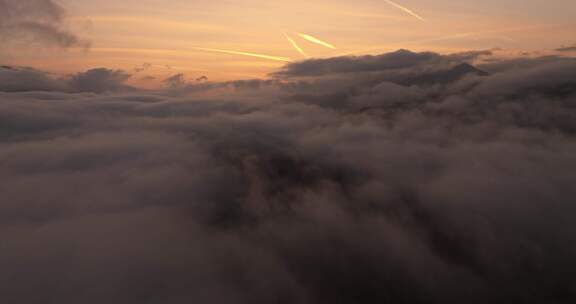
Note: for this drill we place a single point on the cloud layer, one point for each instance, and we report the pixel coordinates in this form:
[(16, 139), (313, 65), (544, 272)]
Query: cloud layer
[(416, 179)]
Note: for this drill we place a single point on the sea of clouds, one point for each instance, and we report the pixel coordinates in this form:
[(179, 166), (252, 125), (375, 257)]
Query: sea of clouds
[(399, 178)]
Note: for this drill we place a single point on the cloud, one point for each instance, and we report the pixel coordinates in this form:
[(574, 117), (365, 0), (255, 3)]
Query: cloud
[(99, 80), (14, 79), (176, 81), (401, 59), (378, 185), (567, 49), (496, 65), (36, 22)]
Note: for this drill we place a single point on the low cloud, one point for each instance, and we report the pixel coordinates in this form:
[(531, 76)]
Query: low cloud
[(176, 81), (567, 49), (402, 59), (423, 180), (99, 80), (14, 79)]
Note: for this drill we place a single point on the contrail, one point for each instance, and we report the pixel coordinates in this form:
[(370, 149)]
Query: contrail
[(405, 9), (276, 58), (316, 40), (295, 45)]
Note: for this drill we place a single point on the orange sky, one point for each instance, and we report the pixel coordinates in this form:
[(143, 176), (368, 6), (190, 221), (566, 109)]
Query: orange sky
[(191, 37)]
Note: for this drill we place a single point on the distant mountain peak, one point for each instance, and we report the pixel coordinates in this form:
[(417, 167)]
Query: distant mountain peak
[(466, 68)]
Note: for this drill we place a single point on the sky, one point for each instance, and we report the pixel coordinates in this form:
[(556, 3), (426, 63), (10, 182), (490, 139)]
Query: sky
[(168, 34)]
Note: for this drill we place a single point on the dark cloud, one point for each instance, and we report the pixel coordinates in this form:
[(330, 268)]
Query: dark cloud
[(496, 65), (176, 81), (99, 80), (363, 187), (401, 59), (14, 79), (36, 22), (567, 48)]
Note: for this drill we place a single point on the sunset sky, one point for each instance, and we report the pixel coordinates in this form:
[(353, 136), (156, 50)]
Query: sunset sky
[(178, 36), (287, 152)]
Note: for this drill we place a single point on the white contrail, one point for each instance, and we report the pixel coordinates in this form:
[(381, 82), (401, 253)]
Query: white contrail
[(232, 52), (295, 45), (316, 40), (405, 9)]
